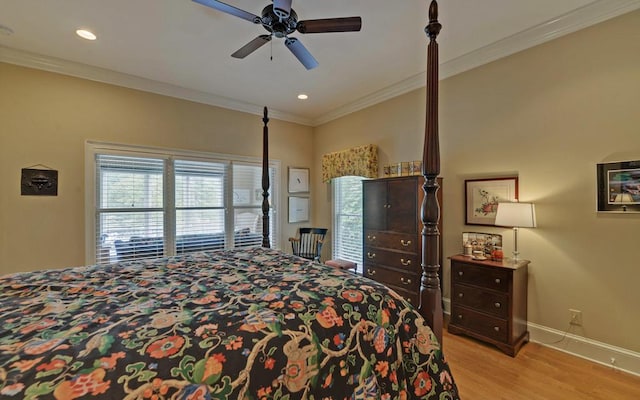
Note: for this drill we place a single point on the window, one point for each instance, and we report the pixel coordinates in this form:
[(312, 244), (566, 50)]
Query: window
[(161, 203), (347, 219)]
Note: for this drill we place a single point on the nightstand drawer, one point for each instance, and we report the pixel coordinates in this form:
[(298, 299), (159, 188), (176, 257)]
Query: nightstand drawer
[(407, 281), (396, 241), (490, 278), (491, 327), (405, 261), (481, 300)]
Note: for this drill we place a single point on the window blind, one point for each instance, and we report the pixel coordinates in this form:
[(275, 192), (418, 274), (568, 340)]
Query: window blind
[(151, 205), (347, 219), (247, 205), (200, 211), (130, 206)]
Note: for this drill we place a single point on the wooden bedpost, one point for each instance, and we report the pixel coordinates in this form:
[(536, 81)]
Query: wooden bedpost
[(265, 181), (430, 291)]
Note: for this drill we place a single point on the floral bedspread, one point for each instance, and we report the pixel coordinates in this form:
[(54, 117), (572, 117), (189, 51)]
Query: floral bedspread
[(250, 324)]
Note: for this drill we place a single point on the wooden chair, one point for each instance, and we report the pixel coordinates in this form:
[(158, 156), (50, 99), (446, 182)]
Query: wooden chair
[(309, 243)]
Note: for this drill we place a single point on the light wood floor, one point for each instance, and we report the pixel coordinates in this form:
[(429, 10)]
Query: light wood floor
[(482, 372)]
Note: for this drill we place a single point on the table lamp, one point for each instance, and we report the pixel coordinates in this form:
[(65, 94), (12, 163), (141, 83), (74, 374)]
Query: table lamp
[(516, 215)]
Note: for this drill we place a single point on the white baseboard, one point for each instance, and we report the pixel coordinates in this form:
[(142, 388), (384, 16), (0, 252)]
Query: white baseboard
[(623, 360)]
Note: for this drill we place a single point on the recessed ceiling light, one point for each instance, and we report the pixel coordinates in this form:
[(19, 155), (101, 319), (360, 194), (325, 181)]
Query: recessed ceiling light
[(303, 96), (85, 34)]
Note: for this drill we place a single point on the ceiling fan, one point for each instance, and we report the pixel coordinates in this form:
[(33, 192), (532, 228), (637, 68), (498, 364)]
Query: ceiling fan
[(281, 20)]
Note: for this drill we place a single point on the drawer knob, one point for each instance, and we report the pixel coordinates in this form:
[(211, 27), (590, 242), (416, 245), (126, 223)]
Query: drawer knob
[(496, 328), (405, 243), (498, 280), (461, 295), (371, 255), (371, 237), (459, 316), (460, 273), (405, 262), (409, 299), (498, 305), (405, 281), (371, 271), (388, 205)]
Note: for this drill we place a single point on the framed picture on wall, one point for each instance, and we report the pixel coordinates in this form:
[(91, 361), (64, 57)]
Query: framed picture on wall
[(298, 180), (298, 209), (483, 195), (619, 186)]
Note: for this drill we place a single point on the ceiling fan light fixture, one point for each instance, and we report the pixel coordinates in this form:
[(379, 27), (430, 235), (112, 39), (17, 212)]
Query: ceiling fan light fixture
[(86, 34), (282, 8), (280, 20), (303, 96)]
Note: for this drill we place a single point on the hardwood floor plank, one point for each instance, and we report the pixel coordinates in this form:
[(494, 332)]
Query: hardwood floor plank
[(482, 372)]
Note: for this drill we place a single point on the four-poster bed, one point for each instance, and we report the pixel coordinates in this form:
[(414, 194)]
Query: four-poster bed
[(225, 324)]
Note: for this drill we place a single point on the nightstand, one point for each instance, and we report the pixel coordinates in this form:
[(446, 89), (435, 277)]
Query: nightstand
[(489, 301)]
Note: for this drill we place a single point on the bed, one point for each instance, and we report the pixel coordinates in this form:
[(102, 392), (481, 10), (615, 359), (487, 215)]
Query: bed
[(233, 324), (230, 324)]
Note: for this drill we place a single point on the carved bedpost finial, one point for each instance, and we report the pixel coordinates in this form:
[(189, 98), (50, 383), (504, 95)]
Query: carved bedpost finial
[(433, 29), (265, 119)]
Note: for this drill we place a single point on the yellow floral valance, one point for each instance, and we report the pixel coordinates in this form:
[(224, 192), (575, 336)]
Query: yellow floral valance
[(357, 161)]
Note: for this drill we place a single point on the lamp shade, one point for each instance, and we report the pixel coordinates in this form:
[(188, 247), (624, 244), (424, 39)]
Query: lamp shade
[(521, 215)]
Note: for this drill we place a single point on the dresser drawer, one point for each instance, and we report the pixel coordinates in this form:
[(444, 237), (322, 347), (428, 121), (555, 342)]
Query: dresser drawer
[(404, 280), (490, 327), (394, 241), (486, 277), (411, 296), (481, 300), (406, 261)]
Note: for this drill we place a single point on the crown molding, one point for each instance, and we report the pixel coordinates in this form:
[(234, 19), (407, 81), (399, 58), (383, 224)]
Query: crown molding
[(102, 75), (591, 14)]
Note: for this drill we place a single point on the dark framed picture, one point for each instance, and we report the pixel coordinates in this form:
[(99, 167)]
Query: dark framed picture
[(483, 195), (39, 182), (619, 186)]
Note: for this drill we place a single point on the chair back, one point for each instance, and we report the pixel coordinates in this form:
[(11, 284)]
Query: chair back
[(309, 243)]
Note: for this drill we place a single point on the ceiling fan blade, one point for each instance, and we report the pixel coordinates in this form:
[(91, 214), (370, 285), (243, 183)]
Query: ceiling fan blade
[(301, 53), (252, 46), (348, 24), (226, 8), (282, 8)]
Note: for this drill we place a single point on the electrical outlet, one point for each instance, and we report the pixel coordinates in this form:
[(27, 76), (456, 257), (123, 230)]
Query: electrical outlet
[(575, 317)]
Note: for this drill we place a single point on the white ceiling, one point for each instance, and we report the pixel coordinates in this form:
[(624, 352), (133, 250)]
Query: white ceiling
[(181, 48)]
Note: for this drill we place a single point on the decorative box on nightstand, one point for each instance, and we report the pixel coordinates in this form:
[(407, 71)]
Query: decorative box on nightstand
[(489, 301)]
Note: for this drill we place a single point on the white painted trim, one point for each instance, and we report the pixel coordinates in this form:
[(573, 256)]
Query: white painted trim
[(592, 350), (625, 360), (593, 13)]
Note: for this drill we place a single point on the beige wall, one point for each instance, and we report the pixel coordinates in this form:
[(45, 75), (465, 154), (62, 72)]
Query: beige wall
[(46, 118), (548, 114)]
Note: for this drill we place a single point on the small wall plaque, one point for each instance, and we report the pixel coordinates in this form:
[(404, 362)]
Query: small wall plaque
[(39, 182)]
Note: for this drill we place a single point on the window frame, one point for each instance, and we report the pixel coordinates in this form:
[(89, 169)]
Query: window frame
[(92, 148)]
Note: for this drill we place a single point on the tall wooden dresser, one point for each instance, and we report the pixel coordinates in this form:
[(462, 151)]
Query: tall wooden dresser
[(393, 233)]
